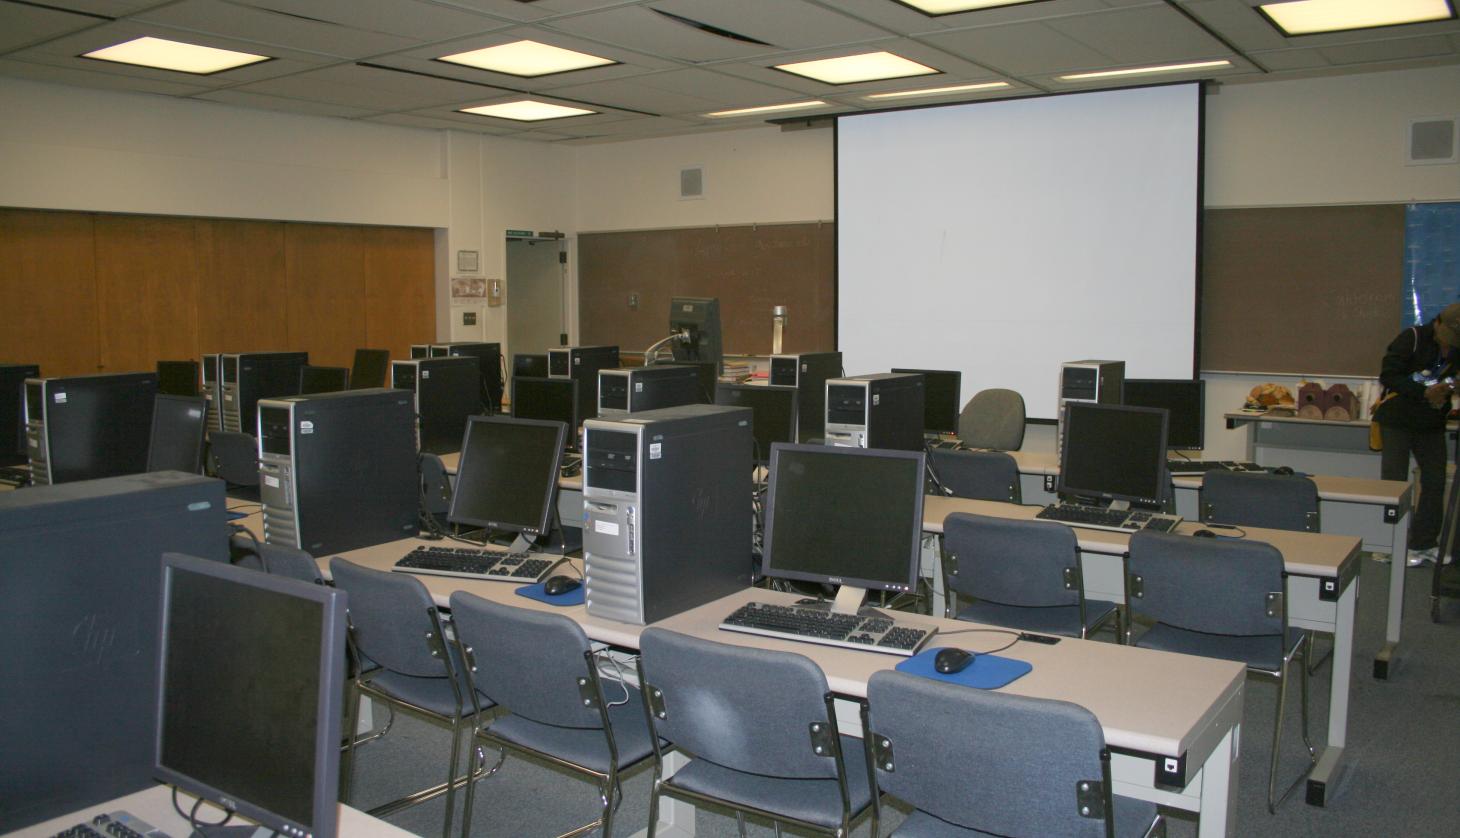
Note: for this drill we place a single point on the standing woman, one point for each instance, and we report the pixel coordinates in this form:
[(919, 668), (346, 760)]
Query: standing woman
[(1419, 369)]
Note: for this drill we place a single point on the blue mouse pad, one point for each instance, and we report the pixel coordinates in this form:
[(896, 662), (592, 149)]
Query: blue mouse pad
[(987, 672), (573, 597)]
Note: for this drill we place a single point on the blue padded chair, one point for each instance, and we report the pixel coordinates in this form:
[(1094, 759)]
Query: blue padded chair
[(394, 623), (1022, 574), (977, 475), (1221, 598), (993, 419), (761, 731), (246, 551), (1248, 499), (979, 762), (539, 668), (234, 459), (435, 486)]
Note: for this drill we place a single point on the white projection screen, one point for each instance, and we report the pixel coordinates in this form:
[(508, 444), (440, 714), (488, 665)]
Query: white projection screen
[(1004, 238)]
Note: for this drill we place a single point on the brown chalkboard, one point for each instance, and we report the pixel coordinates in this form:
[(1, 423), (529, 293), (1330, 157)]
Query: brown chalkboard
[(1303, 290), (750, 268)]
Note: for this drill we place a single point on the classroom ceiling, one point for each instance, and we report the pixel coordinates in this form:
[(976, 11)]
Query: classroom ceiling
[(677, 60)]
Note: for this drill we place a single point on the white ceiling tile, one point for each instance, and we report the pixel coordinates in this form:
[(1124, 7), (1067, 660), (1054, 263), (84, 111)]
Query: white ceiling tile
[(246, 99), (639, 28), (24, 25), (635, 94), (534, 10), (405, 18), (105, 8), (788, 24), (1018, 49), (1389, 50), (274, 29), (367, 88), (414, 120), (1290, 59), (105, 81), (1143, 35)]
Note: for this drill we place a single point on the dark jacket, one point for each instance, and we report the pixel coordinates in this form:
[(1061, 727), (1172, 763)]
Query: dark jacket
[(1412, 351)]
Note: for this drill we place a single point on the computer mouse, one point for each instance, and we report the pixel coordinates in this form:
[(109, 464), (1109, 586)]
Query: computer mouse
[(556, 585), (952, 660), (1204, 534), (1283, 470)]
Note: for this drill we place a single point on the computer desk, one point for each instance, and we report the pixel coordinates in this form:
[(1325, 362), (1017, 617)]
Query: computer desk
[(1323, 581), (1158, 710), (1378, 511)]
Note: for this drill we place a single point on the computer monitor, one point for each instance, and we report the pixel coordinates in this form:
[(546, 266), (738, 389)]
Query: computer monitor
[(844, 516), (508, 475), (1114, 453), (323, 379), (177, 378), (554, 399), (1184, 399), (176, 443), (773, 409), (709, 376), (370, 369), (697, 321), (248, 701), (531, 366), (942, 400)]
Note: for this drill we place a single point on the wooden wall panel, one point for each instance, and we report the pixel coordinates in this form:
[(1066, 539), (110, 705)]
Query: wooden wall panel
[(48, 313), (243, 296), (147, 291), (400, 300), (326, 281)]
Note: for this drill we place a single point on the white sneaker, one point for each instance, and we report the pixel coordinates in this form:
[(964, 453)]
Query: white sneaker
[(1421, 557)]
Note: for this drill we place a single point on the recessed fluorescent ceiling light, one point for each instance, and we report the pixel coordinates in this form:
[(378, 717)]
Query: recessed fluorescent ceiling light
[(527, 58), (1140, 71), (848, 69), (788, 106), (175, 55), (948, 7), (1309, 16), (939, 91), (527, 110)]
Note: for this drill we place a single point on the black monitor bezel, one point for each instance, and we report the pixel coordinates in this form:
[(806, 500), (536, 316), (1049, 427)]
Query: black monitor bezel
[(307, 369), (793, 393), (1201, 407), (167, 369), (768, 564), (574, 430), (957, 376), (328, 708), (1163, 478), (195, 402), (465, 464)]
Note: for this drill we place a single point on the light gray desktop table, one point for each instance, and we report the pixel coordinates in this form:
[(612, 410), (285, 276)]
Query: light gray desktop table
[(1158, 710), (1323, 582)]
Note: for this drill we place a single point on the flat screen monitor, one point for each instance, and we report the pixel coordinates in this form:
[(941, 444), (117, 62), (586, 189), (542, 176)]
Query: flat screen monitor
[(554, 399), (773, 409), (177, 378), (1183, 398), (370, 368), (709, 376), (176, 443), (844, 516), (249, 693), (697, 321), (323, 379), (508, 474), (531, 366), (1114, 453), (942, 399)]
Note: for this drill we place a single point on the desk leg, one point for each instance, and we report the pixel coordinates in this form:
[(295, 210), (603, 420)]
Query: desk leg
[(1218, 815), (1323, 781), (1388, 655), (676, 818)]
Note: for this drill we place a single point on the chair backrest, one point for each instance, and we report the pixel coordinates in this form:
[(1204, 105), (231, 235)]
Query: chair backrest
[(235, 457), (392, 619), (1274, 501), (277, 559), (978, 475), (1001, 763), (993, 419), (531, 662), (742, 708), (1217, 586), (1011, 562), (435, 487)]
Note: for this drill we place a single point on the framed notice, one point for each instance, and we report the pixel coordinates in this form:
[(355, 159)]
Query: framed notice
[(469, 261), (466, 288)]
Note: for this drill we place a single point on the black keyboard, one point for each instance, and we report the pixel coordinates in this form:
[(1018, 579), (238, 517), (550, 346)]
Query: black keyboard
[(1179, 468), (1105, 518), (467, 563), (117, 824), (816, 625)]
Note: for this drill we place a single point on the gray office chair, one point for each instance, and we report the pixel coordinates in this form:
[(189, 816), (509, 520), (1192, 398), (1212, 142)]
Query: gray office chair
[(246, 551), (1221, 598), (435, 486), (540, 669), (234, 459), (979, 762), (1273, 501), (394, 623), (978, 475), (1024, 575), (761, 730), (993, 419)]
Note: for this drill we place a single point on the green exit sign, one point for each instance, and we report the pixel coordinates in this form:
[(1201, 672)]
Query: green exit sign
[(519, 234)]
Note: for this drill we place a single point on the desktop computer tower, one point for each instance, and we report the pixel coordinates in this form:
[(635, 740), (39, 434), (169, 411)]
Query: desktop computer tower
[(1100, 382), (82, 569), (12, 411), (212, 390), (582, 364), (882, 410), (666, 504), (338, 471), (447, 391), (88, 426), (250, 376), (636, 389), (807, 372), (489, 365)]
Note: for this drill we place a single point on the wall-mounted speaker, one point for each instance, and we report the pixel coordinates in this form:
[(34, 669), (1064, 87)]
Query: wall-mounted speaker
[(692, 182), (1431, 141)]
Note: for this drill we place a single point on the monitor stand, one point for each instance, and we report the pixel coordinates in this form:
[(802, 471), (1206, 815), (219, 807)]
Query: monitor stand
[(522, 544), (1119, 506)]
